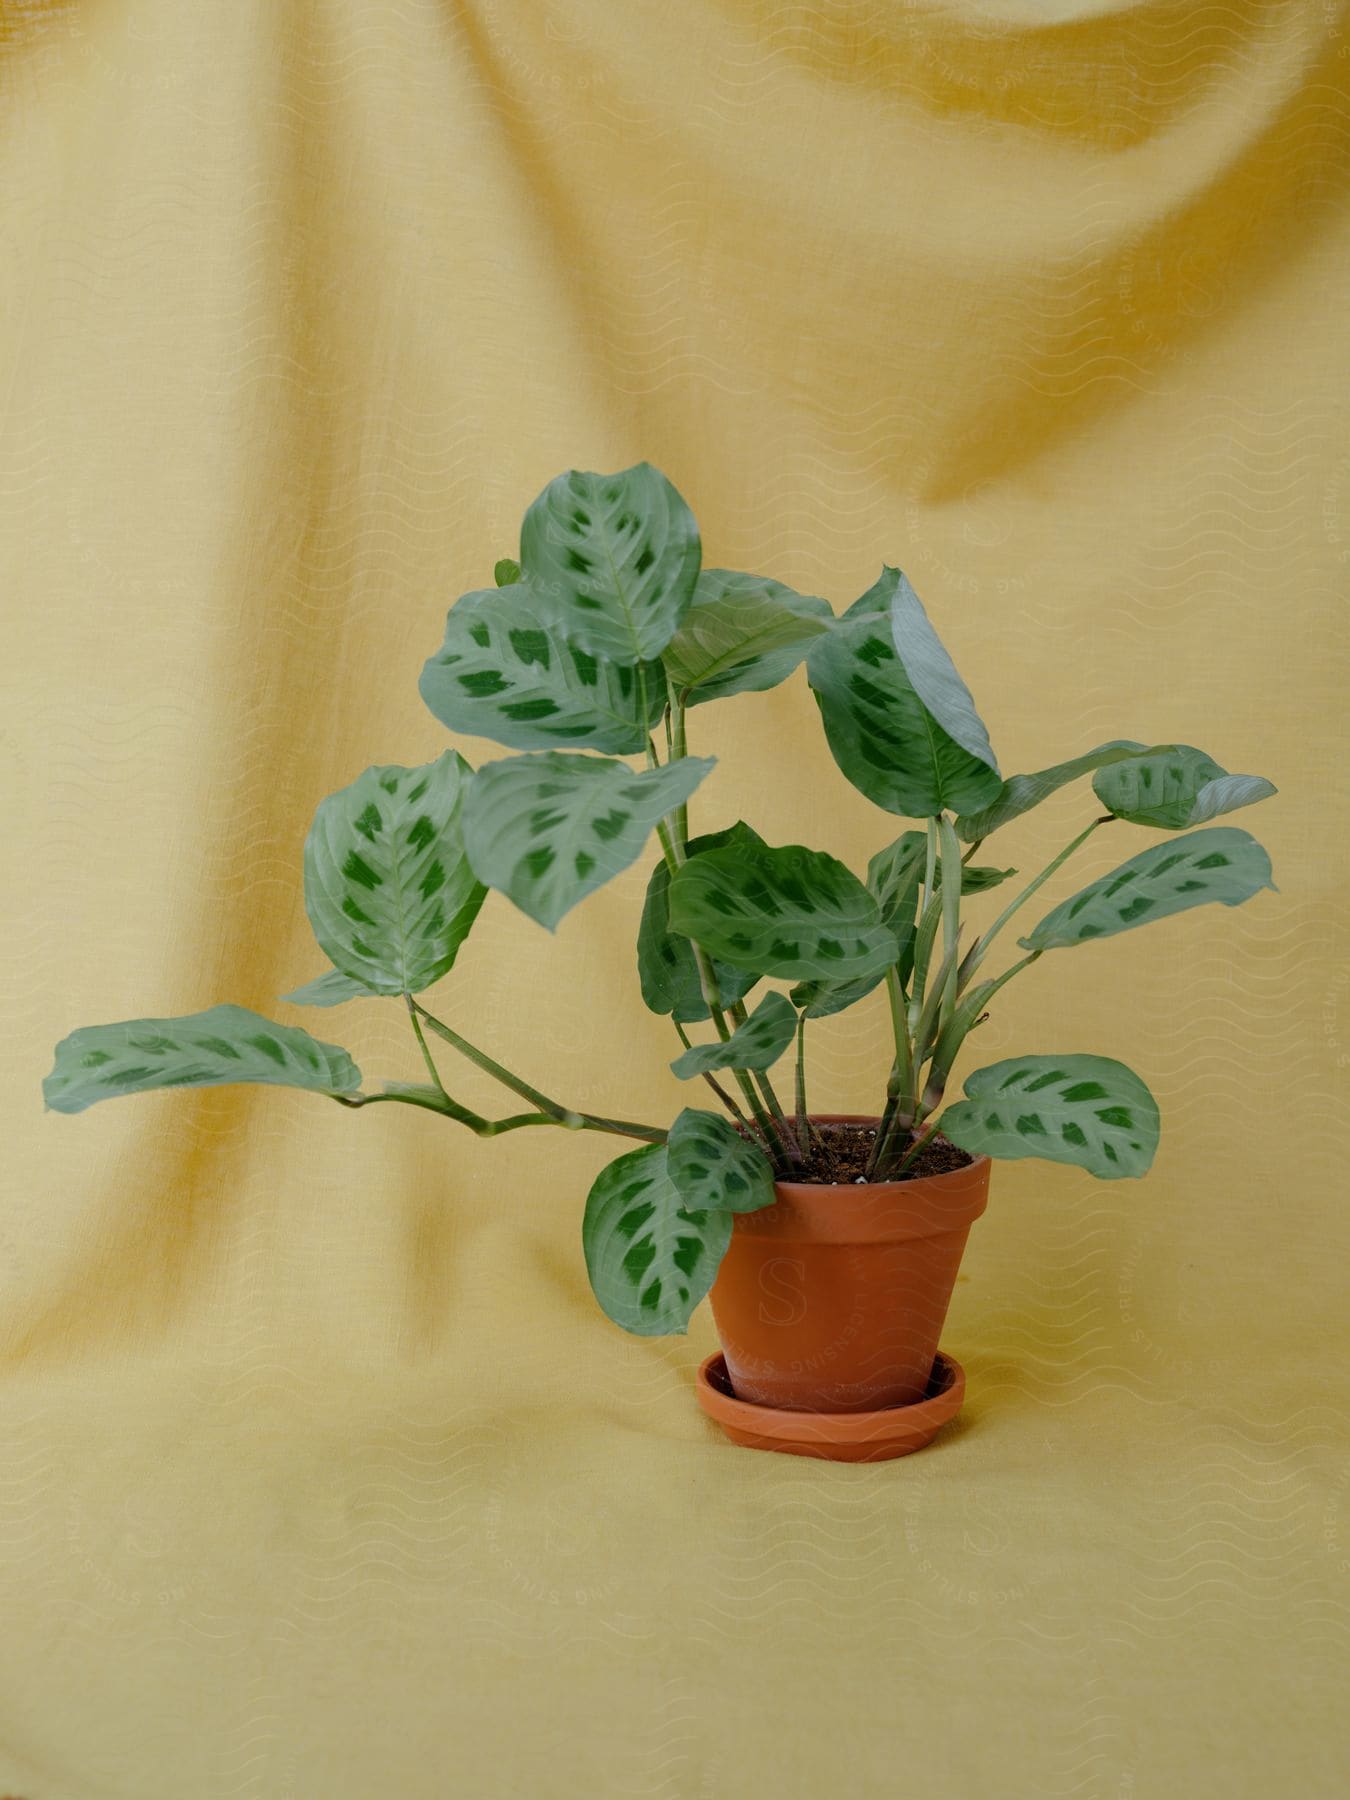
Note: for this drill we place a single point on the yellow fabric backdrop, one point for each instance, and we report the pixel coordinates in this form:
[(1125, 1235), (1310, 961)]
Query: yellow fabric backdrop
[(321, 1474)]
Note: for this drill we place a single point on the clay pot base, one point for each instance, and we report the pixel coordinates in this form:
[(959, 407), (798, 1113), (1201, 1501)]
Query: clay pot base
[(839, 1437)]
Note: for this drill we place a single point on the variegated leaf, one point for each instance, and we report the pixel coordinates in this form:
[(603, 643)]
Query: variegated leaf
[(613, 559), (224, 1045), (757, 1044), (651, 1257), (547, 829), (332, 988), (1020, 793), (887, 740), (1086, 1110), (1221, 864), (713, 1165), (388, 888), (1175, 788), (790, 912), (666, 969), (742, 634), (506, 671)]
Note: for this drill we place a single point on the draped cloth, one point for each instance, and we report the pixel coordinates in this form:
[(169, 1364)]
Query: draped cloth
[(322, 1474)]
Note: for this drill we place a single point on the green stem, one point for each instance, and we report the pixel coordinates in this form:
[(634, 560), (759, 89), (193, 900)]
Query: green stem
[(951, 914), (711, 1080), (553, 1109), (981, 947)]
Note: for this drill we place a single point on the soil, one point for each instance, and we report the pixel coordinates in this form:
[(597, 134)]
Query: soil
[(840, 1153)]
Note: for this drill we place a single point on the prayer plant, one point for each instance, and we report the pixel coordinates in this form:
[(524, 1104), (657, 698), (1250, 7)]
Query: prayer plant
[(588, 660)]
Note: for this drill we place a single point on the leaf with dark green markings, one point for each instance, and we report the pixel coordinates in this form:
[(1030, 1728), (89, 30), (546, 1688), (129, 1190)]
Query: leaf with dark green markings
[(742, 634), (791, 912), (1020, 793), (507, 672), (713, 1166), (388, 888), (614, 559), (667, 971), (757, 1044), (1086, 1110), (546, 829), (1175, 788), (651, 1257), (225, 1044), (1221, 864), (332, 988), (881, 730)]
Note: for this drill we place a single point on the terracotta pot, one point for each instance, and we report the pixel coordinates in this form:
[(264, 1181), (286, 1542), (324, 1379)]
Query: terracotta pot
[(833, 1299)]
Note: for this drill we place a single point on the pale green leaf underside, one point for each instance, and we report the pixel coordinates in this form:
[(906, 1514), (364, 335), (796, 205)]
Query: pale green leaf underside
[(650, 1257), (1021, 792), (1175, 788), (332, 988), (757, 1044), (714, 1167), (507, 672), (932, 673), (388, 889), (547, 829), (613, 559), (880, 733), (225, 1044), (1087, 1110), (742, 634), (667, 972), (1221, 864), (789, 912)]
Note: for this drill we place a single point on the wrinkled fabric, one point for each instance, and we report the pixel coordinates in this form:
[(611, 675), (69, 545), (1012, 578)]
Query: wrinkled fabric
[(322, 1473)]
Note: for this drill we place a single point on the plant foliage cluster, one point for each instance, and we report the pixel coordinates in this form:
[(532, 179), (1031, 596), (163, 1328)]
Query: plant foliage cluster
[(588, 661)]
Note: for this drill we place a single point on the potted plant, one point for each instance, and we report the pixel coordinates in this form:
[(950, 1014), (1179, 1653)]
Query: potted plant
[(830, 1245)]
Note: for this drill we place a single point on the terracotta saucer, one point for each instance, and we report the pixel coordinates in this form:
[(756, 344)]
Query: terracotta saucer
[(841, 1436)]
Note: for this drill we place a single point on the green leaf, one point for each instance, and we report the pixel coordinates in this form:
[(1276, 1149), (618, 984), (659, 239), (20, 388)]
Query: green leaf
[(388, 888), (650, 1257), (757, 1044), (1087, 1110), (614, 558), (546, 830), (742, 634), (713, 1166), (820, 999), (884, 736), (208, 1049), (666, 968), (791, 912), (507, 672), (1020, 793), (1221, 864), (331, 988), (895, 876), (1174, 788), (506, 572)]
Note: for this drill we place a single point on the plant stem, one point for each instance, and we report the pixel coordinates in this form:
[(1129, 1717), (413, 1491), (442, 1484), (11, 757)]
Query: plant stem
[(981, 947), (951, 914), (553, 1109), (711, 1079), (803, 1114)]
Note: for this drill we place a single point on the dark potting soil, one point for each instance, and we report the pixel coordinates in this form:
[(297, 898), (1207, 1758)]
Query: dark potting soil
[(840, 1154)]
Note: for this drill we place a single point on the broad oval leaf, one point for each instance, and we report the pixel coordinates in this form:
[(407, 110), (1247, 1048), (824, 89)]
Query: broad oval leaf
[(1086, 1110), (546, 829), (883, 736), (614, 559), (388, 888), (650, 1257), (933, 675), (223, 1045), (713, 1166), (667, 971), (1174, 788), (1020, 793), (507, 672), (757, 1044), (742, 634), (332, 988), (1221, 864), (790, 912)]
